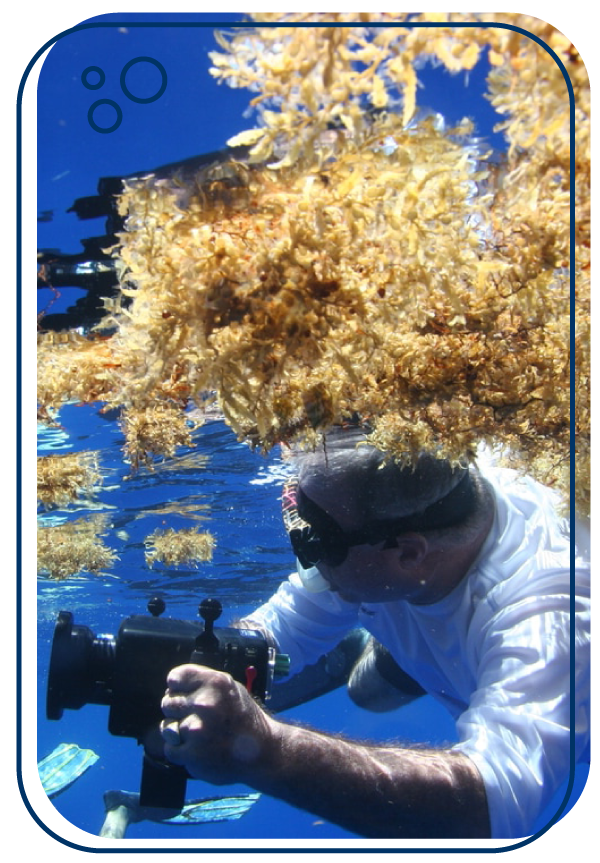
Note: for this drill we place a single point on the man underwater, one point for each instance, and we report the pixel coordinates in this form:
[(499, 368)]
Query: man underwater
[(463, 576)]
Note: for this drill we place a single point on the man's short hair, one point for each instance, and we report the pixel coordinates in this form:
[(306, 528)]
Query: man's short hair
[(383, 488)]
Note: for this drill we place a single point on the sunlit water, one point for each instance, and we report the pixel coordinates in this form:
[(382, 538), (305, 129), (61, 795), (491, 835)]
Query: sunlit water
[(234, 493)]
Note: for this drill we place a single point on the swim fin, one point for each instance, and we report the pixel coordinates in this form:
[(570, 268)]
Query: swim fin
[(123, 808), (63, 766)]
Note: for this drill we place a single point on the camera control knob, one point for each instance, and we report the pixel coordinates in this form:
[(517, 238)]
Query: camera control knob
[(210, 610), (156, 606)]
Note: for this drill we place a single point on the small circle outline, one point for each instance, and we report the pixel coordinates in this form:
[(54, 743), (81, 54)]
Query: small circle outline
[(138, 99), (117, 122), (86, 83)]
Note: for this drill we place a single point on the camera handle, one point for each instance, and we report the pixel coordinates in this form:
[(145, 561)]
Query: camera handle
[(161, 780)]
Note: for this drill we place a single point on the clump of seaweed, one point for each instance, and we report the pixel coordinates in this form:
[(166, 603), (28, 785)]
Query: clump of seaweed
[(154, 430), (73, 367), (73, 547), (63, 479), (363, 259), (187, 547)]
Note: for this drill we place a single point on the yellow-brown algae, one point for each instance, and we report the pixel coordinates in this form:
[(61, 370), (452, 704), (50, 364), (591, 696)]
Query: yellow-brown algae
[(365, 260)]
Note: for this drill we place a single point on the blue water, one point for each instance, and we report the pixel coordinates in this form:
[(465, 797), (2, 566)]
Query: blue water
[(240, 489)]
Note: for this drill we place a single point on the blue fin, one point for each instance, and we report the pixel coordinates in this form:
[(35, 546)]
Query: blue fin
[(63, 766), (214, 809)]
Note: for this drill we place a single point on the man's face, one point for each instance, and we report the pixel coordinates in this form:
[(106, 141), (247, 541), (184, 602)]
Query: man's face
[(369, 573)]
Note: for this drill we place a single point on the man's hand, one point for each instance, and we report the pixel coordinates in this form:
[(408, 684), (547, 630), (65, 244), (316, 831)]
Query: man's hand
[(223, 732), (376, 791)]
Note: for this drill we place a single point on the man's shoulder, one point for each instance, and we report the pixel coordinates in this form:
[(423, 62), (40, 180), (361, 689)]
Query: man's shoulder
[(529, 535), (523, 497)]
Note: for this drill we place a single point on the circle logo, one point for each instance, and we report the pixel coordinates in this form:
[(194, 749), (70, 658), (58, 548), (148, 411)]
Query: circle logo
[(85, 81), (115, 125), (163, 76), (106, 130)]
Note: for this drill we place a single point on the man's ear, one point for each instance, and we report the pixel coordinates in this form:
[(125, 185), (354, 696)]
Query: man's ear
[(412, 550)]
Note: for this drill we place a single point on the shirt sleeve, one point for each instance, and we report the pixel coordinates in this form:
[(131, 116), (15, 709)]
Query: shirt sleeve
[(304, 625), (517, 726)]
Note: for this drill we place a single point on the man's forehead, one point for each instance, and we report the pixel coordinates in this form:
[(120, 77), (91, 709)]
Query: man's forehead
[(324, 481), (336, 491), (363, 485)]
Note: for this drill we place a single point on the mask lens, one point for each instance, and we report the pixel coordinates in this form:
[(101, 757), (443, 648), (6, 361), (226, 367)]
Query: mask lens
[(306, 546), (311, 544)]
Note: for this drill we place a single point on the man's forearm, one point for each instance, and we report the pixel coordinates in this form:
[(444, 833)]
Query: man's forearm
[(375, 791), (223, 736)]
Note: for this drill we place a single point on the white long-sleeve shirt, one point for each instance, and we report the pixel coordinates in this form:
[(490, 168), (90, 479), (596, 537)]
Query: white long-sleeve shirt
[(495, 651)]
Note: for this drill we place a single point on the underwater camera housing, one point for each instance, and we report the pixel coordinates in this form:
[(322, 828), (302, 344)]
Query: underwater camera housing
[(128, 673)]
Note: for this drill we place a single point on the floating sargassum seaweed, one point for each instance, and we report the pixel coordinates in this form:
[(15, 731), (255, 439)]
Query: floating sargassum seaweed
[(363, 260)]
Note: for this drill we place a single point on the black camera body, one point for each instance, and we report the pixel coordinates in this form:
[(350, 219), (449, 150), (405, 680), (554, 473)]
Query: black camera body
[(128, 673)]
